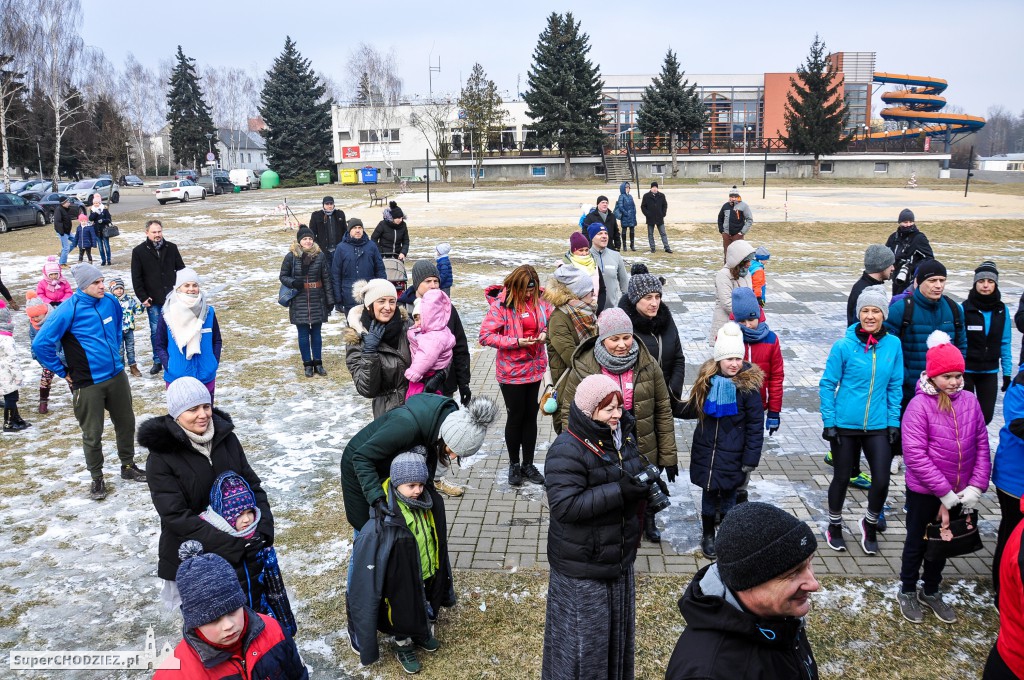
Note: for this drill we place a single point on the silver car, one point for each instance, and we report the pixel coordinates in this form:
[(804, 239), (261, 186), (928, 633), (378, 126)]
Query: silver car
[(87, 187)]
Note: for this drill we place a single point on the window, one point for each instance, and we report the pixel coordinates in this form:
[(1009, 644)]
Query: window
[(344, 136), (250, 158), (539, 171), (658, 169), (771, 168), (826, 166), (370, 136), (599, 169), (478, 172), (714, 168), (881, 167)]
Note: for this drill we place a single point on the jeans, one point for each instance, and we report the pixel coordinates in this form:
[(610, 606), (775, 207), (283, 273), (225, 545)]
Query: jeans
[(310, 341), (65, 247), (103, 245), (650, 235), (153, 312), (128, 347)]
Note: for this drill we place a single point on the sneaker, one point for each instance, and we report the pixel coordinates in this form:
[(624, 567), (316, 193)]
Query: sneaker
[(406, 656), (533, 474), (156, 369), (834, 537), (937, 605), (868, 539), (861, 481), (828, 458), (98, 490), (429, 645), (515, 475), (882, 524), (896, 465), (447, 488), (132, 473), (910, 607)]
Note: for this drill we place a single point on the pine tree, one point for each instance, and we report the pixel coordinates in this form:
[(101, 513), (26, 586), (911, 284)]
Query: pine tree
[(564, 95), (188, 113), (671, 106), (297, 112), (816, 112), (483, 111)]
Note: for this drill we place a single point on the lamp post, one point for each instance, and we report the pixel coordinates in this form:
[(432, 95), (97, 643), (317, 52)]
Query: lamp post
[(209, 144), (128, 155), (472, 163), (745, 128)]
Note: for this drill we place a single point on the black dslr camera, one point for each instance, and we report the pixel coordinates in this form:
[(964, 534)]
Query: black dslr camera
[(656, 500)]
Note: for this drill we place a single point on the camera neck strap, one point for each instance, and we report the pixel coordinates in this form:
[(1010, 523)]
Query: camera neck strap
[(592, 448)]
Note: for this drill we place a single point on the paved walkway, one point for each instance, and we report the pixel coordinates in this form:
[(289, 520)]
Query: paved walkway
[(496, 526)]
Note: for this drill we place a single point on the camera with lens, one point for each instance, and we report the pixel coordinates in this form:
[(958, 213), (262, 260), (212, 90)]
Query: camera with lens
[(903, 275), (656, 500)]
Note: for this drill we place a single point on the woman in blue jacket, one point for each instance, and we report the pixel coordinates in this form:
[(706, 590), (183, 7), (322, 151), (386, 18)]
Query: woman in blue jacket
[(989, 339), (188, 341), (860, 395), (356, 258), (625, 213), (1008, 470)]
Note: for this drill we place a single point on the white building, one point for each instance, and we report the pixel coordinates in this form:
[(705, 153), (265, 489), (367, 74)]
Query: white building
[(241, 150), (1011, 162)]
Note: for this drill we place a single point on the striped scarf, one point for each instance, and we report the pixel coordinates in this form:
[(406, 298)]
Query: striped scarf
[(584, 321)]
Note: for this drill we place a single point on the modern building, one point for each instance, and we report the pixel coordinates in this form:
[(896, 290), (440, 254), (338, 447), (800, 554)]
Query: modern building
[(1010, 162)]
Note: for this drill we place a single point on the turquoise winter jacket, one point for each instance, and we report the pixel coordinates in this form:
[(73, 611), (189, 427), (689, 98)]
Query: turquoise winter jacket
[(861, 389), (929, 315)]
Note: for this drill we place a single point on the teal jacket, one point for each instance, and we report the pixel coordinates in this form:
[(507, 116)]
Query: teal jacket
[(929, 315), (861, 389)]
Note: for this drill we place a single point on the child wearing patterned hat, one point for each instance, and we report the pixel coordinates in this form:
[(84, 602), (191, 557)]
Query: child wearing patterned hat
[(131, 308), (36, 309)]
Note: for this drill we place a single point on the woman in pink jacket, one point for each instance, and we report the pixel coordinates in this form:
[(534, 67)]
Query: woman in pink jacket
[(516, 325), (945, 449)]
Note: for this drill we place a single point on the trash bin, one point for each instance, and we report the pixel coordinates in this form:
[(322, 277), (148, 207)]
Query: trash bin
[(369, 175), (348, 176), (269, 180), (324, 176), (237, 189)]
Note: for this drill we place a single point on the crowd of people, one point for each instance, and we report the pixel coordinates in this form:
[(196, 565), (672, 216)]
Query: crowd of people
[(913, 378)]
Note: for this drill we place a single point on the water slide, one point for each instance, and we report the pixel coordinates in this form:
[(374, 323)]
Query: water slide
[(920, 105)]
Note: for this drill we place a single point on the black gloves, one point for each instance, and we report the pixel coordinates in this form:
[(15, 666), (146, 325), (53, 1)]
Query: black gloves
[(830, 434), (254, 546), (465, 394), (894, 434), (771, 422), (670, 470), (372, 337), (381, 506), (435, 383), (632, 491), (662, 485), (1007, 380)]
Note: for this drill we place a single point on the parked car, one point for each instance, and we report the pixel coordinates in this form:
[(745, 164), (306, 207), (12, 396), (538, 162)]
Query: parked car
[(182, 190), (65, 187), (187, 174), (87, 187), (15, 211), (132, 181), (20, 185), (37, 185), (216, 184), (49, 201), (246, 179)]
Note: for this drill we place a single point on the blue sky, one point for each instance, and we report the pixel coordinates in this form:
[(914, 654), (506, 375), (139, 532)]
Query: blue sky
[(973, 45)]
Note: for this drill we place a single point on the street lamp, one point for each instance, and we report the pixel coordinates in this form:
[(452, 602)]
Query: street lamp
[(745, 128), (127, 155), (472, 164), (209, 143), (39, 155)]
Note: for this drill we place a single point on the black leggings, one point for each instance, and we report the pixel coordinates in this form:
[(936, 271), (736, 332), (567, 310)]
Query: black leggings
[(1010, 517), (521, 420), (876, 449), (986, 387)]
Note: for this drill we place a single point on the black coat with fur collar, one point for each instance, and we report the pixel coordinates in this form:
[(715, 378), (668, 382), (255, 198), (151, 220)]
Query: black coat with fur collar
[(661, 338), (180, 479)]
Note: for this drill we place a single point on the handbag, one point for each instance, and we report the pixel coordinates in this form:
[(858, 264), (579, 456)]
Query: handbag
[(286, 295), (952, 534), (111, 230)]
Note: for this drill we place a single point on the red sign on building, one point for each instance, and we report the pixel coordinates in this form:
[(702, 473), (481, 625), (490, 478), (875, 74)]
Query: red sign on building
[(349, 153)]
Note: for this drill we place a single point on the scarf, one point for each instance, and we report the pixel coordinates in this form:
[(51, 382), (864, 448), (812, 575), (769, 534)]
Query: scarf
[(616, 364), (424, 502), (986, 303), (587, 263), (203, 443), (752, 336), (584, 321), (219, 522), (54, 286), (931, 390), (869, 339), (721, 399), (185, 316), (392, 330)]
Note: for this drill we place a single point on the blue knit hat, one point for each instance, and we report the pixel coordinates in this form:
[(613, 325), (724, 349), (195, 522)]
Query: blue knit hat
[(207, 584), (762, 254), (744, 304), (594, 228), (409, 467)]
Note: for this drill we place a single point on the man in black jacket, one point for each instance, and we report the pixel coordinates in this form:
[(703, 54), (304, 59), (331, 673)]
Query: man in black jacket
[(910, 247), (603, 215), (878, 268), (654, 206), (744, 613), (63, 223), (328, 226), (155, 263)]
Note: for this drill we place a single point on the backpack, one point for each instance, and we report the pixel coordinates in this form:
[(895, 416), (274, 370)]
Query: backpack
[(908, 316)]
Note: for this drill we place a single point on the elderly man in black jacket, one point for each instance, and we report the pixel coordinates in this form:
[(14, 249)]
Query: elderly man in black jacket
[(654, 206), (155, 263), (328, 227)]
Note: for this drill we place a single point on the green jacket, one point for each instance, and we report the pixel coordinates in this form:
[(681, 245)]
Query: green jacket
[(562, 335), (655, 428), (366, 461)]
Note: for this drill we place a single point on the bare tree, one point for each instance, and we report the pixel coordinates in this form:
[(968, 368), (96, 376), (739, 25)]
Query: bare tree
[(373, 77), (14, 40), (140, 93), (233, 94), (434, 120)]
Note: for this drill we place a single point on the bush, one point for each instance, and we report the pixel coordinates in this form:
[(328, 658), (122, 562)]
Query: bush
[(298, 182)]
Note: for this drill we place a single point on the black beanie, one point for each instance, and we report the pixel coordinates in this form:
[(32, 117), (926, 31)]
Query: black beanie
[(327, 199), (986, 270), (906, 215), (929, 268), (395, 210), (354, 222), (654, 184), (638, 268), (757, 542), (303, 232), (602, 198)]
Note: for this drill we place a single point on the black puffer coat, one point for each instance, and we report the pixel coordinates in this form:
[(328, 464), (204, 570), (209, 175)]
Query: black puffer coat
[(391, 239), (661, 338), (379, 376), (592, 534), (313, 304), (180, 479)]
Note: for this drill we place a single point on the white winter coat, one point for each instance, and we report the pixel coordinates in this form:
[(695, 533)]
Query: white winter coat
[(10, 371)]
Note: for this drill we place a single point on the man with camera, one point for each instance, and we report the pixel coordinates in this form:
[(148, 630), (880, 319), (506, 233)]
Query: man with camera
[(910, 247)]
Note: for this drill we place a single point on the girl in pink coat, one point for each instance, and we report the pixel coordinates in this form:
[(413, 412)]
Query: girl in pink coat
[(53, 288), (945, 449), (430, 340)]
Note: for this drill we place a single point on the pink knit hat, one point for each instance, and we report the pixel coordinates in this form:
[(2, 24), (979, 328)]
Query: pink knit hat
[(592, 390), (943, 356)]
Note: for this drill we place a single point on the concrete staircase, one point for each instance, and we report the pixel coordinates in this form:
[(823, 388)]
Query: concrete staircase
[(616, 169)]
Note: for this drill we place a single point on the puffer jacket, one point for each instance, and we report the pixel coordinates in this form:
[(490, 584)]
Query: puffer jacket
[(722, 446), (594, 217), (1008, 470), (625, 208), (661, 338), (767, 355), (502, 328), (943, 451), (652, 408), (862, 390), (379, 376), (928, 316), (354, 260), (725, 283), (592, 533), (563, 338), (85, 236), (314, 302), (431, 344), (392, 239)]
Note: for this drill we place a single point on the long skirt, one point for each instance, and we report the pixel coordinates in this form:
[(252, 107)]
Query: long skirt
[(589, 628)]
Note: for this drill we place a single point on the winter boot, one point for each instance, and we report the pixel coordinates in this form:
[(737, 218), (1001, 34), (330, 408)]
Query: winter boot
[(17, 421), (44, 399), (134, 368), (98, 490), (156, 369), (707, 541), (308, 368), (8, 427), (651, 532), (318, 366), (742, 496)]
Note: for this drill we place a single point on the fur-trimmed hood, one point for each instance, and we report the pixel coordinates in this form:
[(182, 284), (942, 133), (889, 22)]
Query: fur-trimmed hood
[(297, 251), (557, 293), (353, 333), (162, 435)]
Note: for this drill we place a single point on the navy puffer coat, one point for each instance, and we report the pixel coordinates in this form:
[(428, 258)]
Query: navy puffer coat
[(355, 259)]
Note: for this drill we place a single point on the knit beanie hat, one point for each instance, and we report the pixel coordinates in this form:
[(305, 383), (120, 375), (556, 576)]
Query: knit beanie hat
[(185, 393), (208, 586), (442, 249), (729, 342), (408, 468), (613, 321), (757, 542), (594, 229), (929, 268), (906, 215), (874, 296), (188, 275), (6, 322), (464, 430), (878, 258), (601, 198), (327, 199), (86, 274), (416, 306), (422, 270), (942, 356), (576, 280), (367, 292), (638, 268), (744, 304), (353, 223), (36, 309), (986, 270), (115, 283), (592, 390), (762, 254), (654, 184), (642, 285), (395, 210), (233, 497), (304, 232), (734, 192), (52, 266), (577, 241)]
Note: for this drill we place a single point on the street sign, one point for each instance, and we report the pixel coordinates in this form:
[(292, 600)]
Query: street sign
[(211, 157)]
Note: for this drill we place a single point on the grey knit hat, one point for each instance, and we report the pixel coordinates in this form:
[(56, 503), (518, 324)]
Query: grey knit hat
[(208, 586), (464, 430), (986, 270), (409, 468), (878, 258), (115, 283), (422, 270), (86, 274), (641, 285), (188, 275), (353, 222), (591, 391), (579, 283), (6, 322), (184, 393), (613, 321), (757, 542), (874, 296)]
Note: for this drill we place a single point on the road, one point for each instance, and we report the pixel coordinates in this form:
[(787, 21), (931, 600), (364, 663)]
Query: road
[(133, 198)]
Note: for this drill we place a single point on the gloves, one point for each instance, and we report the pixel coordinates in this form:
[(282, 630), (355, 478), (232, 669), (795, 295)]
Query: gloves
[(381, 506), (465, 394), (950, 500), (254, 546), (671, 470), (299, 285), (772, 422), (1006, 379), (747, 469), (372, 337), (969, 497), (894, 435), (632, 491), (830, 434), (435, 383)]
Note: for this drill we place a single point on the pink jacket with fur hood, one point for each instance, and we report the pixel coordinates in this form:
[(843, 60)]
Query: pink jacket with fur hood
[(502, 328), (943, 451), (431, 342), (53, 292)]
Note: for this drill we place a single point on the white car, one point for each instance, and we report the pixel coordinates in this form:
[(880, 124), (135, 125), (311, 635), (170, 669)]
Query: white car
[(87, 187), (244, 178), (182, 190)]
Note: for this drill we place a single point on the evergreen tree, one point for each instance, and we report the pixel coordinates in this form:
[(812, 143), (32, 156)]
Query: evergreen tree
[(671, 106), (298, 116), (188, 114), (483, 111), (564, 95), (816, 111)]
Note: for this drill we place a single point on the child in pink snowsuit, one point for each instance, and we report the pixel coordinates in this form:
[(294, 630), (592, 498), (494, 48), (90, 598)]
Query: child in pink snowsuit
[(430, 341), (53, 288)]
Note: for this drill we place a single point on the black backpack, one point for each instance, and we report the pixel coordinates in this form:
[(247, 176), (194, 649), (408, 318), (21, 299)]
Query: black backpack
[(908, 317)]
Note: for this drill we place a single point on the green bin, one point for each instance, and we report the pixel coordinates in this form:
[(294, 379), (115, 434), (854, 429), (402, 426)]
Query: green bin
[(349, 176), (238, 189), (323, 176)]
